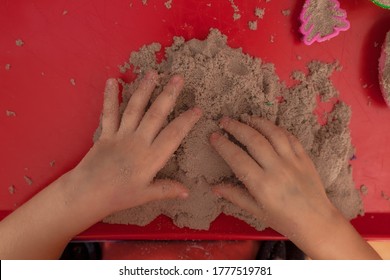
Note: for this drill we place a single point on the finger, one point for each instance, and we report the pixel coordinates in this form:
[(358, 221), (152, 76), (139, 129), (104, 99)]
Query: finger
[(256, 144), (239, 197), (243, 166), (171, 136), (166, 189), (275, 135), (110, 116), (135, 108), (295, 144), (157, 114)]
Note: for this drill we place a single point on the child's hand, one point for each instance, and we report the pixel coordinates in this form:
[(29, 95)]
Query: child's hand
[(117, 173), (283, 183), (285, 190), (120, 167)]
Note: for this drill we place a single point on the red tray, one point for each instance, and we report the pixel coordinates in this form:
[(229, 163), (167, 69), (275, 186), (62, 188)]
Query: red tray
[(55, 120)]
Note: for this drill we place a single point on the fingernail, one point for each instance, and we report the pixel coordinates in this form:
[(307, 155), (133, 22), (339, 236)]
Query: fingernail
[(184, 195), (150, 75), (197, 111), (224, 122), (110, 82), (176, 79), (217, 193), (215, 136)]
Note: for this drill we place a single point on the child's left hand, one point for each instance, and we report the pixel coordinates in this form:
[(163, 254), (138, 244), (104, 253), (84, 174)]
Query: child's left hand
[(117, 173), (119, 169)]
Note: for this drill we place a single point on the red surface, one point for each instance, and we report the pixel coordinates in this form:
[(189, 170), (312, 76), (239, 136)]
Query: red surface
[(56, 120)]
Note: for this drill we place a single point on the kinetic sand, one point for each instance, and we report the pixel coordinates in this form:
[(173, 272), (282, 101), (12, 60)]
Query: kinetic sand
[(225, 81)]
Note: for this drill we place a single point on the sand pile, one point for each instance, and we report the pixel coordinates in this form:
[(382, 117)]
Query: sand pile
[(224, 81)]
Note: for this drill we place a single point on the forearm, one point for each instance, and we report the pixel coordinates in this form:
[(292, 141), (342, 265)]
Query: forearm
[(41, 228), (334, 238)]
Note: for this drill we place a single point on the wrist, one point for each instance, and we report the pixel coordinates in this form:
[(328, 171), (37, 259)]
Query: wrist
[(82, 198), (333, 237)]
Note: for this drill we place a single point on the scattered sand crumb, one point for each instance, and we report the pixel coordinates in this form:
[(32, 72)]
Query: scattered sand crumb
[(369, 102), (267, 1), (28, 180), (272, 38), (122, 82), (65, 12), (168, 4), (297, 75), (208, 4), (73, 82), (11, 189), (19, 42), (52, 163), (286, 12), (365, 86), (376, 44), (7, 66), (299, 57), (252, 25), (123, 68), (364, 189), (10, 113), (260, 12), (236, 16), (236, 10), (385, 196), (144, 2), (234, 6)]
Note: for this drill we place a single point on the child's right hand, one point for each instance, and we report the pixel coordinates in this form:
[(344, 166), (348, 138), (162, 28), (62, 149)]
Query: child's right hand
[(285, 190), (282, 180)]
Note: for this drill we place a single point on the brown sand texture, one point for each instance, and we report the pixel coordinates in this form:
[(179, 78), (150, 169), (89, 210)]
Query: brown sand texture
[(384, 69), (225, 81), (383, 2), (323, 17)]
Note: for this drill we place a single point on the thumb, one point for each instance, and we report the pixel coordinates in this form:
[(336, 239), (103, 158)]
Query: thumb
[(166, 189), (240, 197)]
